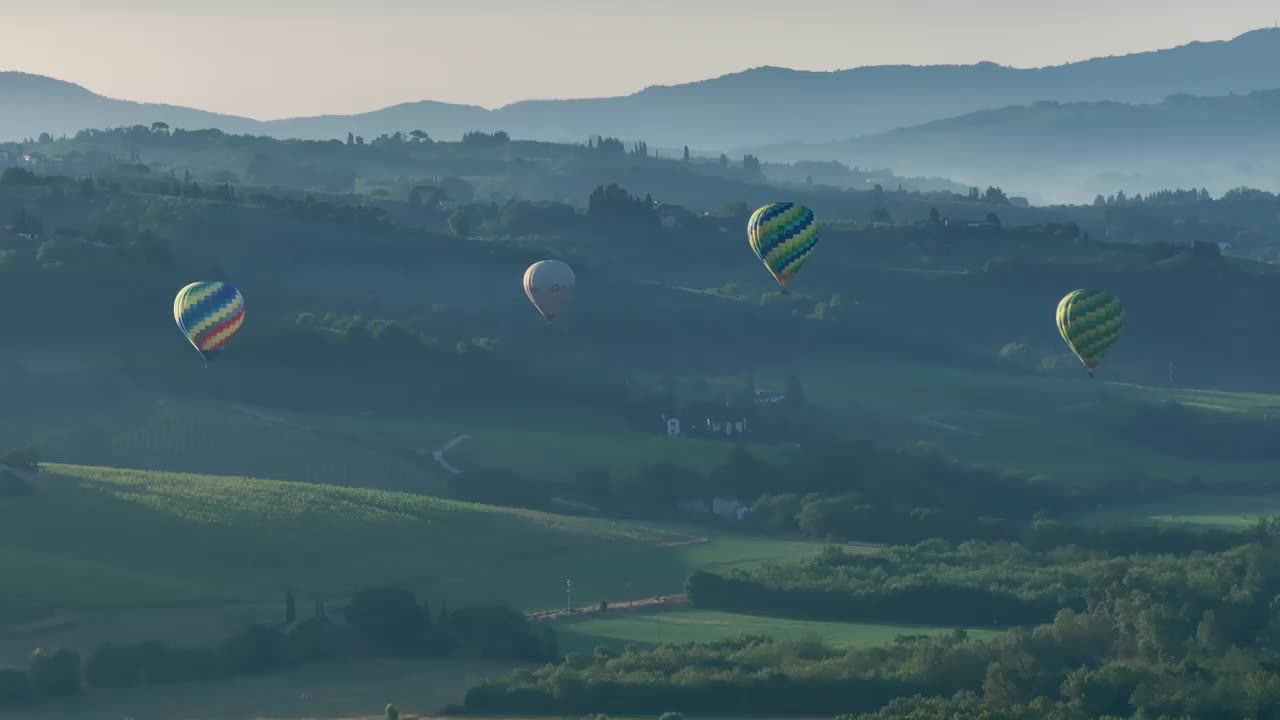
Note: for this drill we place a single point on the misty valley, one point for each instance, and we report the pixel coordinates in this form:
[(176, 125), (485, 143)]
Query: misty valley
[(952, 396)]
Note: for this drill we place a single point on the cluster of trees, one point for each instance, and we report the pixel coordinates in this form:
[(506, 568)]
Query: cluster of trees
[(311, 209), (971, 583), (614, 204), (1140, 637), (378, 621), (1166, 196), (483, 139), (852, 516), (607, 145)]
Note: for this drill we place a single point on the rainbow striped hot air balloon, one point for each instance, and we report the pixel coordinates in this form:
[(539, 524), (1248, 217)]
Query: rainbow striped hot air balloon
[(783, 235), (208, 313), (1090, 322)]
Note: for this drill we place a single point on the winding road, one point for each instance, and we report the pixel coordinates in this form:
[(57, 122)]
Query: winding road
[(438, 454)]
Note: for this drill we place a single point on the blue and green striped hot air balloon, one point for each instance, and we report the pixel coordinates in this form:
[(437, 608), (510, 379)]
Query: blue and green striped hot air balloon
[(783, 236), (208, 313), (1090, 322)]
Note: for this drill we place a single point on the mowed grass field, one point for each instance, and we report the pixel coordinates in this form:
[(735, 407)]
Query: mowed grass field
[(648, 629)]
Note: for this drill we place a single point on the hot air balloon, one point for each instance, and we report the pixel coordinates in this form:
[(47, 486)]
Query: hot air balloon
[(1090, 321), (549, 285), (208, 313), (783, 235)]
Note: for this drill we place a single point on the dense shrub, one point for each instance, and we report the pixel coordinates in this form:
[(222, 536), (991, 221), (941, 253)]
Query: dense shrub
[(54, 674), (113, 666), (15, 687)]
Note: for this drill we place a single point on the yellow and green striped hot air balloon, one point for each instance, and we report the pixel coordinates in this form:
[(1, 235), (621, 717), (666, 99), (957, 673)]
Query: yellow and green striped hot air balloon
[(783, 235), (1090, 322)]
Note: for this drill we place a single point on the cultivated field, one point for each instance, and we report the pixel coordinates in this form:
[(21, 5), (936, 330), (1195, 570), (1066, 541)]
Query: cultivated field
[(99, 537), (128, 555)]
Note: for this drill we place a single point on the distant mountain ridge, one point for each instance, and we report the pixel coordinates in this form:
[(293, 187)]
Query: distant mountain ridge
[(32, 104), (735, 110), (1071, 151)]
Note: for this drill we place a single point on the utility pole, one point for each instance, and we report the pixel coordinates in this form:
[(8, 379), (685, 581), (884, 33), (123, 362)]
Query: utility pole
[(568, 589)]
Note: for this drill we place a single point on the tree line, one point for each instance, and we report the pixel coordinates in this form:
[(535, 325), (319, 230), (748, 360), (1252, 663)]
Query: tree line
[(1133, 637), (971, 583), (375, 622)]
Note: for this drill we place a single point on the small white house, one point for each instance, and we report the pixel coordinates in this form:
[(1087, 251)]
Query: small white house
[(765, 397), (726, 427)]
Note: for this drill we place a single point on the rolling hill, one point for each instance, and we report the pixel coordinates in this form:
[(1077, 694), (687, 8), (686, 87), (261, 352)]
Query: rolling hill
[(718, 113), (128, 554), (227, 539), (33, 104)]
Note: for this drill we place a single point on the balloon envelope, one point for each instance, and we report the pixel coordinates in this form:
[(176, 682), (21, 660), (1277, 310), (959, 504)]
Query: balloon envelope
[(783, 236), (1090, 322), (549, 285), (208, 313)]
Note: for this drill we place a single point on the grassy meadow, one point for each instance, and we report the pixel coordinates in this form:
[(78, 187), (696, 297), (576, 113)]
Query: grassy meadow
[(144, 538), (550, 447), (1221, 511), (1069, 430), (128, 554), (649, 629), (392, 453), (334, 691)]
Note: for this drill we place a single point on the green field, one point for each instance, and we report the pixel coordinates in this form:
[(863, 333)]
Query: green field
[(1063, 428), (1069, 430), (548, 447), (94, 539), (1223, 511), (358, 450), (358, 689), (647, 629), (183, 436)]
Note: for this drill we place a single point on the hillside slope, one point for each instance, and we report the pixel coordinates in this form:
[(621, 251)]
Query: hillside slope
[(93, 537)]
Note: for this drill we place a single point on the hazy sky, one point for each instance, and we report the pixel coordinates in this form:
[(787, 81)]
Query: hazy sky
[(277, 58)]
